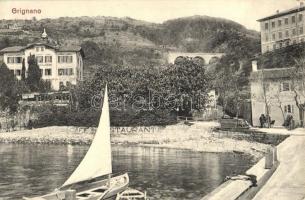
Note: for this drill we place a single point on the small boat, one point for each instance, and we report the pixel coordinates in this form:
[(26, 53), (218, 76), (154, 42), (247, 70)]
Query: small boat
[(238, 152), (131, 194), (92, 179)]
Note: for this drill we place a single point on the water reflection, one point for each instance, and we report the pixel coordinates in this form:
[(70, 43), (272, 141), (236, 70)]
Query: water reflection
[(29, 170), (69, 152)]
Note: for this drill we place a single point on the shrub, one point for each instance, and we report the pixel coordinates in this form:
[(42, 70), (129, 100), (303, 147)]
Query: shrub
[(90, 118)]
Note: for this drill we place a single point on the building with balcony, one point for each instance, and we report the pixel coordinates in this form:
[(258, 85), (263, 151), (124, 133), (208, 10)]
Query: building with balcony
[(60, 65), (282, 29)]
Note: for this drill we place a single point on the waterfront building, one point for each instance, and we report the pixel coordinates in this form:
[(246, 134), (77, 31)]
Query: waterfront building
[(60, 65), (282, 28), (275, 89)]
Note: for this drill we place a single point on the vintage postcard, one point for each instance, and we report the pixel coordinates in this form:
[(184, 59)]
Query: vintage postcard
[(152, 99)]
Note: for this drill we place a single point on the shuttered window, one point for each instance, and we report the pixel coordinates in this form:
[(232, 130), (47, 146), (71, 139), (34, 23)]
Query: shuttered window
[(285, 86), (289, 109), (65, 59), (65, 72)]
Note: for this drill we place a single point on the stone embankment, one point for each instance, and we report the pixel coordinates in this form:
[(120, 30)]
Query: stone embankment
[(281, 176), (197, 137)]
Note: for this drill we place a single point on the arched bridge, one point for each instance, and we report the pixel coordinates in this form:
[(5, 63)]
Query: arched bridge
[(207, 57)]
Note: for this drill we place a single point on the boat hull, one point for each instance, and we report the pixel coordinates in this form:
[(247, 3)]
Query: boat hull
[(96, 190), (131, 194)]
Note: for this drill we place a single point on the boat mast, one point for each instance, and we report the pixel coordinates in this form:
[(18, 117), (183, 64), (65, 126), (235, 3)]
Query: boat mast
[(109, 175)]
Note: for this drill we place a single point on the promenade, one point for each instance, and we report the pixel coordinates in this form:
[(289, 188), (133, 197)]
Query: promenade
[(288, 181)]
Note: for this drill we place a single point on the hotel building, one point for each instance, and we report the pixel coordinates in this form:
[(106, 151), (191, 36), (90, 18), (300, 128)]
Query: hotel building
[(60, 65), (282, 29)]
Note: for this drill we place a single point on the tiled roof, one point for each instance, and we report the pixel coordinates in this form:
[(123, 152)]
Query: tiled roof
[(69, 48), (60, 49), (40, 43), (285, 12), (275, 73), (12, 49)]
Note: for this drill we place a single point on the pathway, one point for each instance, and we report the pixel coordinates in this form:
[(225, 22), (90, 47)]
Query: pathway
[(288, 181)]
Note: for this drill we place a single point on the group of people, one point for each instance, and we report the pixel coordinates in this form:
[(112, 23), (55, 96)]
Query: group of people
[(265, 121)]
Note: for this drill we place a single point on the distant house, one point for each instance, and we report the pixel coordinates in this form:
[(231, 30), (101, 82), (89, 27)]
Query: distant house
[(212, 100), (14, 26), (60, 65), (279, 95), (60, 98)]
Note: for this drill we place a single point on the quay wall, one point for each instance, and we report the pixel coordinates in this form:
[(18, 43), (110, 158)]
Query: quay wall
[(243, 189)]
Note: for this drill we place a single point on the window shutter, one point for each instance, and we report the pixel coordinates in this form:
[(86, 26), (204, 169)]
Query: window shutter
[(292, 108)]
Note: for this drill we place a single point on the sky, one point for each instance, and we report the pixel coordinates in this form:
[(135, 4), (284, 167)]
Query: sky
[(245, 12)]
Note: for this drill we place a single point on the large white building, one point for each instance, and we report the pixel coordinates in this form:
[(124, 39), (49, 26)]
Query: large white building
[(283, 28), (60, 65)]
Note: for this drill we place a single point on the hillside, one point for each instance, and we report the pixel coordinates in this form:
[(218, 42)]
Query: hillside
[(131, 42), (197, 33)]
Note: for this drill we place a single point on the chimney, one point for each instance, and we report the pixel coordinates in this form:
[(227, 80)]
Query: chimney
[(277, 11), (254, 65)]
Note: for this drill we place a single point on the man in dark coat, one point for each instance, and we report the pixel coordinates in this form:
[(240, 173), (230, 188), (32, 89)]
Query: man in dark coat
[(262, 120)]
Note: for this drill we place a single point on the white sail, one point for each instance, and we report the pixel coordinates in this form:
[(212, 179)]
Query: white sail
[(97, 161)]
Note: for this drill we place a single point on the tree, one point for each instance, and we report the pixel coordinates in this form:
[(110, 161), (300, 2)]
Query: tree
[(23, 70), (34, 74), (297, 77), (187, 82), (8, 92), (266, 100), (151, 89)]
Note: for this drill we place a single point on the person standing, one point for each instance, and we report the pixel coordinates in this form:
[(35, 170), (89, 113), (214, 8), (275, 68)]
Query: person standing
[(262, 120), (268, 120)]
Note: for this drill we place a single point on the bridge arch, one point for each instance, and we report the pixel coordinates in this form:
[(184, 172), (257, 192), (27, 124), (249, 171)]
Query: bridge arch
[(207, 57), (214, 59)]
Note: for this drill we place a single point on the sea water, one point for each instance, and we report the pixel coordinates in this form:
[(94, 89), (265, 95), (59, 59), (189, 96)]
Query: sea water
[(31, 170)]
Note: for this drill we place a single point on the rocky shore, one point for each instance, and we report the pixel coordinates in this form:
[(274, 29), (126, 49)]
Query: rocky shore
[(197, 137)]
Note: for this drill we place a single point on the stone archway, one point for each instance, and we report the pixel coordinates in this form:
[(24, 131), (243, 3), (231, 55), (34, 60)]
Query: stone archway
[(200, 60), (172, 56), (179, 59), (214, 59)]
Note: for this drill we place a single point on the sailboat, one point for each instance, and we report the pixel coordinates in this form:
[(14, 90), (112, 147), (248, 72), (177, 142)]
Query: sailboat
[(92, 179)]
